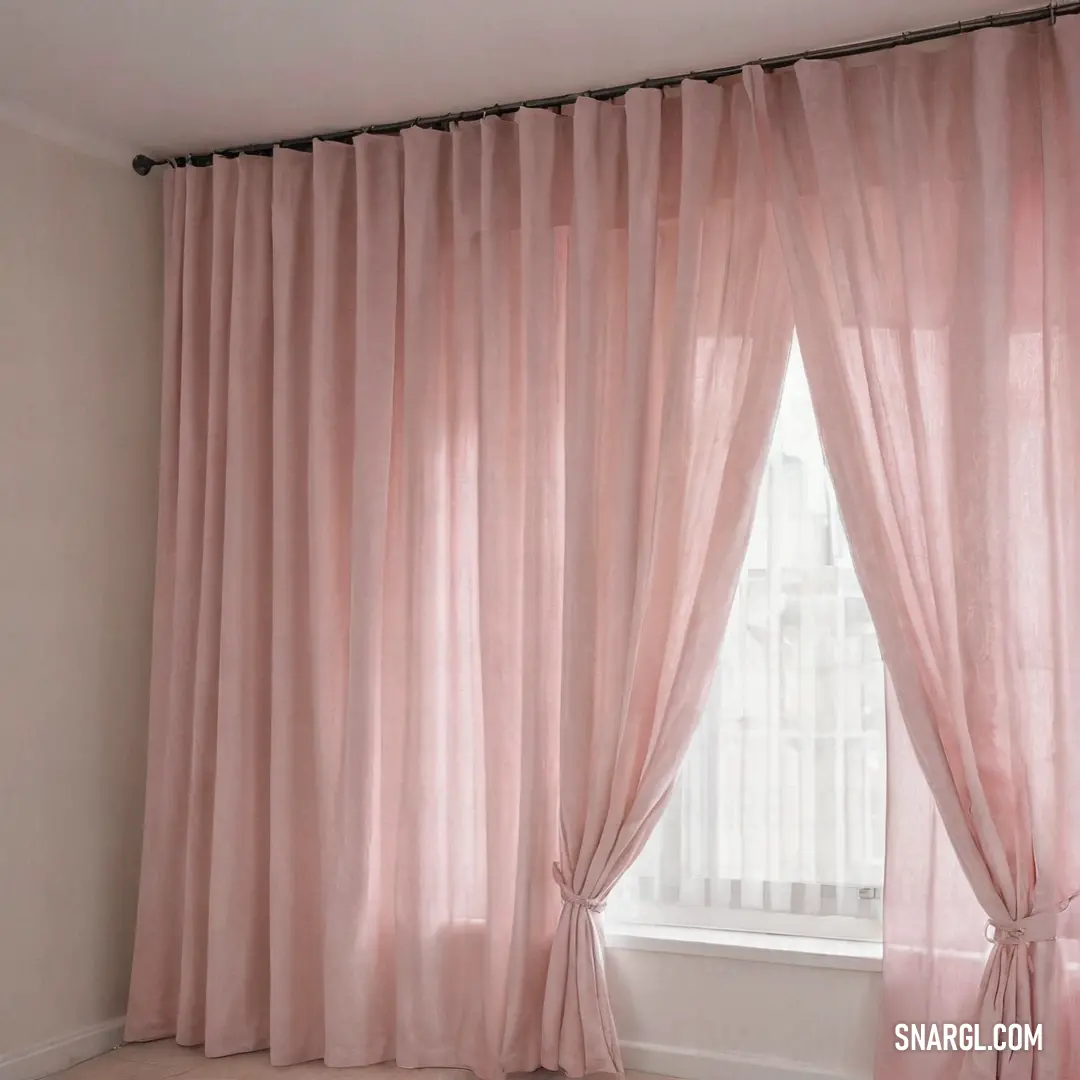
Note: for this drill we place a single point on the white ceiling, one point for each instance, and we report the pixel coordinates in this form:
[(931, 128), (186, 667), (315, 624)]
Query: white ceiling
[(172, 76)]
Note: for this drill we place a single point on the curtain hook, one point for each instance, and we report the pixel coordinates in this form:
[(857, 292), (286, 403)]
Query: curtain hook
[(1053, 12)]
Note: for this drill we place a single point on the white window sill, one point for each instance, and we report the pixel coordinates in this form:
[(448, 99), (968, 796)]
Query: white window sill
[(753, 947)]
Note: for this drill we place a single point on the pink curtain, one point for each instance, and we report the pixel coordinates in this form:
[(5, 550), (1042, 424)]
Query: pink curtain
[(928, 202), (352, 784), (678, 332), (459, 446)]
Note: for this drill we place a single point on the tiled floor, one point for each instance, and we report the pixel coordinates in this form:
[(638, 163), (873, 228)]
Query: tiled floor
[(165, 1061)]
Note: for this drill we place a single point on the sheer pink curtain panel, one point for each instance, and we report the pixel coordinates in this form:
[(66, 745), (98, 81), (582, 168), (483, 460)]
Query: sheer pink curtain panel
[(928, 202), (679, 327), (460, 435)]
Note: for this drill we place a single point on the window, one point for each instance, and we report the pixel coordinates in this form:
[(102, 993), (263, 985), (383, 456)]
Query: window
[(777, 822)]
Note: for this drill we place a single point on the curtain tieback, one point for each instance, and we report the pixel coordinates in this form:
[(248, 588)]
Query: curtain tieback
[(569, 896), (1039, 926)]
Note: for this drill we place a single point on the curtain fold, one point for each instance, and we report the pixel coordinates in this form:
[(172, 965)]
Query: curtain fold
[(460, 440), (927, 205)]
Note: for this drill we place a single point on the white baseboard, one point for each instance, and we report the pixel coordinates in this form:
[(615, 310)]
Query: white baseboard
[(703, 1065), (58, 1054)]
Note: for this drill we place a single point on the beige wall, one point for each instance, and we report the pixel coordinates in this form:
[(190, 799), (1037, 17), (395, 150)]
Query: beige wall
[(80, 332)]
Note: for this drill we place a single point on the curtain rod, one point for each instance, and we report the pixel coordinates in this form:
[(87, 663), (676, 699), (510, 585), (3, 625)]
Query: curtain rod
[(143, 164)]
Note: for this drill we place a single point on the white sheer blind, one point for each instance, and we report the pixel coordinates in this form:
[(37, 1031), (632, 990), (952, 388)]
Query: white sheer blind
[(778, 818)]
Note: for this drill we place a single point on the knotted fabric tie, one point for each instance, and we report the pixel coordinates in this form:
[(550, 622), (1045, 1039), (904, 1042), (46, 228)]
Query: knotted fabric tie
[(569, 896), (1039, 926)]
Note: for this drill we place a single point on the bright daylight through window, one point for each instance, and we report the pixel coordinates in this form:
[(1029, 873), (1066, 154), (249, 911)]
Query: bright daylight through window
[(777, 822)]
